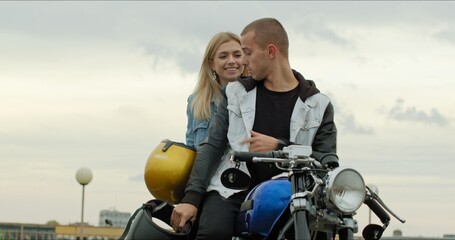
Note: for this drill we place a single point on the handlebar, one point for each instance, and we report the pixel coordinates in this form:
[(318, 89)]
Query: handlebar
[(249, 157), (378, 201), (377, 209), (290, 157), (292, 152)]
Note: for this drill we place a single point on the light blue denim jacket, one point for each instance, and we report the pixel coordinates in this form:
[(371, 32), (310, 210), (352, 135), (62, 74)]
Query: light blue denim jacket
[(196, 130), (312, 123), (306, 119)]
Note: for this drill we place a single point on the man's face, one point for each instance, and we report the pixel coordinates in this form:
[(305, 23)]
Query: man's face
[(254, 58)]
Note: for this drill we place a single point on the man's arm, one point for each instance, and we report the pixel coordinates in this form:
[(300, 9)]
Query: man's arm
[(208, 156), (325, 140)]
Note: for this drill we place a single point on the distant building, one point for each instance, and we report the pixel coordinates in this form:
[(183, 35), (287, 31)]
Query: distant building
[(113, 218), (398, 235), (26, 231), (31, 231)]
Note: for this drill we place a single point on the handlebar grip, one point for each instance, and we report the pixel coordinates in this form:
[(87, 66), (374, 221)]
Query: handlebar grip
[(248, 156), (377, 209)]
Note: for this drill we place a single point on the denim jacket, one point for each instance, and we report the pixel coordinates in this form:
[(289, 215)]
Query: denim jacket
[(312, 123), (306, 119), (197, 130)]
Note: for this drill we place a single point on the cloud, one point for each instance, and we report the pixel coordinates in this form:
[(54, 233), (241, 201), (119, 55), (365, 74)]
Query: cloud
[(318, 30), (187, 59), (349, 124), (346, 120), (137, 178), (447, 35), (412, 114)]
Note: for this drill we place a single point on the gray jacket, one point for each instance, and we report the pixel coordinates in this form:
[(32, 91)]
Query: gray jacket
[(312, 124)]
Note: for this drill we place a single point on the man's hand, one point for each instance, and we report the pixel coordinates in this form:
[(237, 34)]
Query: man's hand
[(181, 214), (261, 143)]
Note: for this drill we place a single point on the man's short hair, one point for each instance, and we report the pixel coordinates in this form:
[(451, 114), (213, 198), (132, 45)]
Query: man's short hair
[(269, 30)]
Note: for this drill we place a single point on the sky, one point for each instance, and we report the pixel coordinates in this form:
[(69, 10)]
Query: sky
[(99, 84)]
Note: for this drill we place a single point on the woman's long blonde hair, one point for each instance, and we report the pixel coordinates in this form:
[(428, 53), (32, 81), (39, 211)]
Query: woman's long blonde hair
[(208, 88)]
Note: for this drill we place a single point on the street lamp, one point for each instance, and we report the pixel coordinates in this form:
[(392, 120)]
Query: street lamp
[(83, 176), (374, 189)]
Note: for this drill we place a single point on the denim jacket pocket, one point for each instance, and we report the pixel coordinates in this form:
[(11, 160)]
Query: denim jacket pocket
[(235, 109), (200, 131), (236, 126), (307, 132)]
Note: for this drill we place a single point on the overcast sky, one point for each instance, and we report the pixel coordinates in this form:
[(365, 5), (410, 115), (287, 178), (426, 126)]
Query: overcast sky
[(100, 84)]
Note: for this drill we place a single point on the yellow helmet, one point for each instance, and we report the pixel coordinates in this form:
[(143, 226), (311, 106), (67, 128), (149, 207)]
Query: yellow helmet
[(167, 170)]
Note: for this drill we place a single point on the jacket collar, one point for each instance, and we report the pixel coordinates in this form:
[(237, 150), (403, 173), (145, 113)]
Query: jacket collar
[(307, 87)]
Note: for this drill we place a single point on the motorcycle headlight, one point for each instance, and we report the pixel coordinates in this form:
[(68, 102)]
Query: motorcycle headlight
[(346, 189)]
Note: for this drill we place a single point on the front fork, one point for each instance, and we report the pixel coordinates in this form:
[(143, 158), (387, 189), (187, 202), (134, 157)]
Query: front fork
[(299, 205), (300, 219), (347, 232)]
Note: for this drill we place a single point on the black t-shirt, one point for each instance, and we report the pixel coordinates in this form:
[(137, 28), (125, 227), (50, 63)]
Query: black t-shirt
[(273, 118)]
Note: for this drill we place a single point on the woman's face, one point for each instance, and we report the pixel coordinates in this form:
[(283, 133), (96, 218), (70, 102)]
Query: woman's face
[(227, 62)]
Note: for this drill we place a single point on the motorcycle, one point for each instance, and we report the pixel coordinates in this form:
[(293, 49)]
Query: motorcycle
[(310, 201)]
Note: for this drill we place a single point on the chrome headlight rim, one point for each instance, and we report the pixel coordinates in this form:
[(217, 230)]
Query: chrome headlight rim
[(346, 189)]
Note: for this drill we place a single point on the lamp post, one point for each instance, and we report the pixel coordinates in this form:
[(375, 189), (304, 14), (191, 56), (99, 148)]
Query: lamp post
[(83, 176), (374, 189)]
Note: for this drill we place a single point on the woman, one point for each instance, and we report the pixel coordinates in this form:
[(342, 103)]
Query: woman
[(222, 63)]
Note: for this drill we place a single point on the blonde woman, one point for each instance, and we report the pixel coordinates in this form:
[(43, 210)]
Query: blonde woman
[(222, 63)]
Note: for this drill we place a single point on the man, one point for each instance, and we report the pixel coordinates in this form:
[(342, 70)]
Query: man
[(272, 108)]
